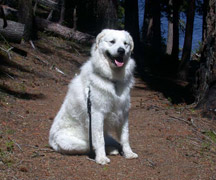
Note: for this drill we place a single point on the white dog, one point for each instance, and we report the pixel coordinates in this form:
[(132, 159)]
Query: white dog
[(105, 79)]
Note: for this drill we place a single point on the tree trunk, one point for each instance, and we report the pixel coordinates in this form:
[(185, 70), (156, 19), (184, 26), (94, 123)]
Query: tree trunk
[(13, 32), (62, 13), (204, 28), (131, 21), (152, 30), (206, 75), (147, 32), (156, 26), (86, 16), (106, 14), (75, 18), (187, 41), (151, 24), (175, 49), (25, 16), (169, 46), (95, 15), (173, 31), (2, 13)]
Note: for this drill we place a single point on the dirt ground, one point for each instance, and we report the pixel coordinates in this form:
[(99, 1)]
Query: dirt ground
[(172, 139)]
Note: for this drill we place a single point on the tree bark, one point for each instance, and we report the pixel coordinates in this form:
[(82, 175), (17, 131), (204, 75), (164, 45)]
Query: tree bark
[(175, 49), (25, 16), (187, 41), (2, 13), (75, 18), (13, 32), (86, 14), (95, 15), (147, 32), (156, 26), (169, 46), (204, 28), (173, 30), (62, 13), (106, 14), (132, 21), (63, 31), (205, 84), (151, 25)]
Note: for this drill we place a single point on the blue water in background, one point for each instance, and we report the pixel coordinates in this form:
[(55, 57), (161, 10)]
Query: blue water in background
[(197, 33)]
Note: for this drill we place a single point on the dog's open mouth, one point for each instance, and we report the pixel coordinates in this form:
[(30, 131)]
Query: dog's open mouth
[(118, 61)]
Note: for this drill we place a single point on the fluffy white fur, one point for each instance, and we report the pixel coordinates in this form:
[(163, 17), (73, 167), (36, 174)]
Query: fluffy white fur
[(110, 98)]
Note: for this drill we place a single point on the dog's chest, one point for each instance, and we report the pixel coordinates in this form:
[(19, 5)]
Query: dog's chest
[(119, 89), (117, 98), (109, 96)]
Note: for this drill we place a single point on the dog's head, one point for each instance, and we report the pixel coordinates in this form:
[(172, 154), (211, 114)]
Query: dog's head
[(116, 46)]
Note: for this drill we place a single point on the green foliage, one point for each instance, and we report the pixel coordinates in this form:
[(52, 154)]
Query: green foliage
[(121, 13), (182, 25), (10, 131), (22, 87), (208, 143), (9, 146), (198, 47), (206, 146), (170, 99), (105, 168), (5, 158), (211, 134), (184, 6), (6, 152), (192, 110)]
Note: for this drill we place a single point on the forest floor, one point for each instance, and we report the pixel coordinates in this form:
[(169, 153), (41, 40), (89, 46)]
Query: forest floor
[(172, 139)]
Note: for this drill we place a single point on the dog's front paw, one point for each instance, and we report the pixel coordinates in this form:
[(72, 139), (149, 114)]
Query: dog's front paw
[(130, 155), (102, 160)]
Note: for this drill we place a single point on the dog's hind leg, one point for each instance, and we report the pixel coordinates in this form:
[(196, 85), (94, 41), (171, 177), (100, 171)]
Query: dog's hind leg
[(66, 143)]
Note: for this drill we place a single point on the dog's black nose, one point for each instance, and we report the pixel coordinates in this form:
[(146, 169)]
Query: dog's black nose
[(121, 51)]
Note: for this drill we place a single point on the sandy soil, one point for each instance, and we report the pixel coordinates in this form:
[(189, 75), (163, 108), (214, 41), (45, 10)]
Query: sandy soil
[(172, 139)]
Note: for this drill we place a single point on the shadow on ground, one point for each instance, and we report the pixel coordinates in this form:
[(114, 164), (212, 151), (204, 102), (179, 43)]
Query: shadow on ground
[(21, 95), (174, 90), (6, 64)]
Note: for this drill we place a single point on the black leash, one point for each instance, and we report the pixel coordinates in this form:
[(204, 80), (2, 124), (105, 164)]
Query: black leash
[(91, 153)]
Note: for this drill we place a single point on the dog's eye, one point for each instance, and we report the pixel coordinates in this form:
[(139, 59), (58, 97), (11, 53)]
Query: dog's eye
[(112, 42), (125, 43)]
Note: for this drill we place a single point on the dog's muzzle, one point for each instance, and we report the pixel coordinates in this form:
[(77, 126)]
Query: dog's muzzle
[(121, 51), (118, 59)]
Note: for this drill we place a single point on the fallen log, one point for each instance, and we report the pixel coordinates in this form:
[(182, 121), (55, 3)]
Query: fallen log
[(9, 10), (49, 4), (13, 32), (43, 24)]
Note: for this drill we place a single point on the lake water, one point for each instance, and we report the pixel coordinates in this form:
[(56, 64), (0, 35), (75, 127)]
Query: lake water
[(197, 33)]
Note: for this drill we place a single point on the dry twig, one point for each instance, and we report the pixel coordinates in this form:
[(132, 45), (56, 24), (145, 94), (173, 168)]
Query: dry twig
[(7, 51), (191, 122), (17, 145)]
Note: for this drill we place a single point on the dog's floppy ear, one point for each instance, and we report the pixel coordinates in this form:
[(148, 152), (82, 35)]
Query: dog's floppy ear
[(99, 37), (130, 40)]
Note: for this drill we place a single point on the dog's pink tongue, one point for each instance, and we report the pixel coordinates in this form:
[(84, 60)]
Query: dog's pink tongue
[(119, 64)]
